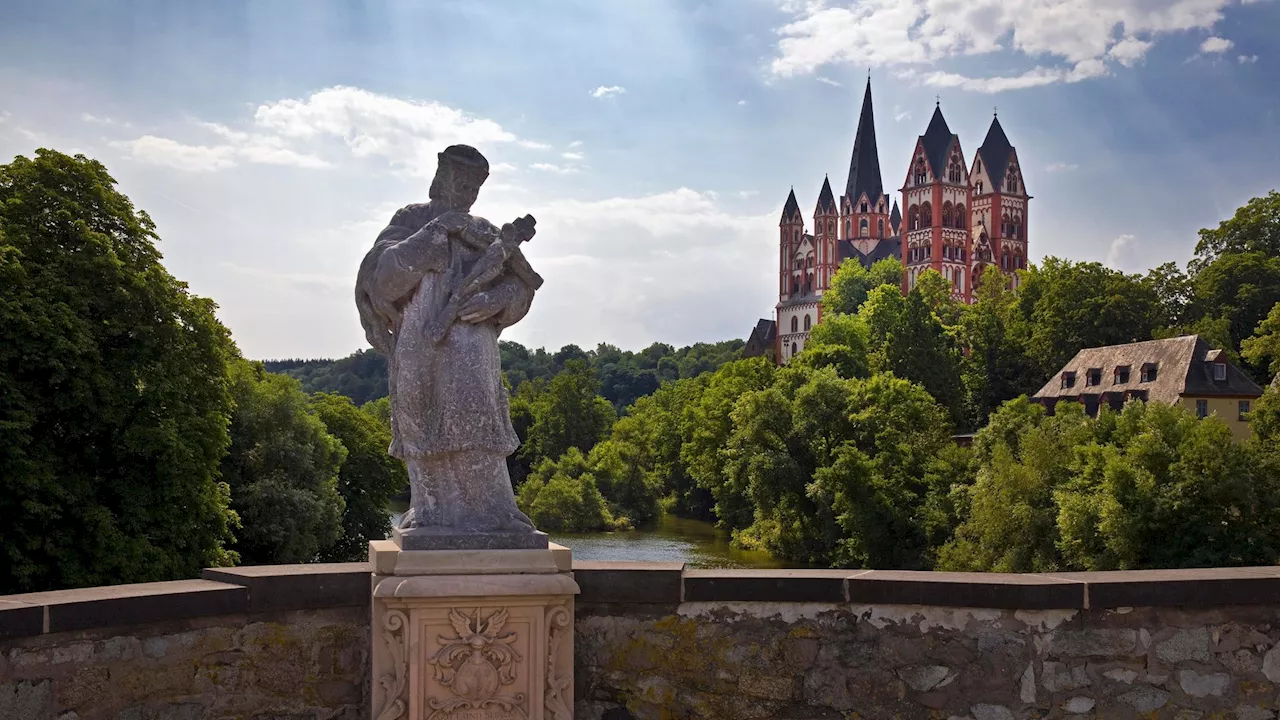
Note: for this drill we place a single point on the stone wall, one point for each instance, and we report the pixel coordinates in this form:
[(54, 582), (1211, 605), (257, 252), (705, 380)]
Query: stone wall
[(658, 641)]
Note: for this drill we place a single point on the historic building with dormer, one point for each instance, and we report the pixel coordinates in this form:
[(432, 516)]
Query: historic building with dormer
[(955, 217)]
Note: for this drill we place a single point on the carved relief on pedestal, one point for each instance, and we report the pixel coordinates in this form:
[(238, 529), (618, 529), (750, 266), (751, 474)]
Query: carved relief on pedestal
[(394, 684), (558, 699), (476, 663)]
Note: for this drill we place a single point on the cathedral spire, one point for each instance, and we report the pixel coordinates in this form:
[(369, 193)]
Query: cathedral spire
[(826, 200), (864, 167), (791, 210), (995, 152)]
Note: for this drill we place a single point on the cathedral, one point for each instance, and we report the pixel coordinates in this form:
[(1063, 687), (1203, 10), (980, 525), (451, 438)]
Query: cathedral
[(958, 219)]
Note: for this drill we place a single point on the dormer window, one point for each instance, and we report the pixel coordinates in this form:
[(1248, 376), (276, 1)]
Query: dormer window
[(864, 207), (1068, 379), (1122, 375), (1149, 372), (1093, 377), (1219, 371)]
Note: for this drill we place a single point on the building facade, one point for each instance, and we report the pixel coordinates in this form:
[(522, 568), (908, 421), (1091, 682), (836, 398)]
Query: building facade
[(1177, 371), (959, 219)]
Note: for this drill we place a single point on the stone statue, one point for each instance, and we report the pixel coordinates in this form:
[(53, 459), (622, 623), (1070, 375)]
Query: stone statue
[(434, 293)]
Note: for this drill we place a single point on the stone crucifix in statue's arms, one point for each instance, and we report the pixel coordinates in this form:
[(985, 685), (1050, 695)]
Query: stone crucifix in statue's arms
[(434, 293)]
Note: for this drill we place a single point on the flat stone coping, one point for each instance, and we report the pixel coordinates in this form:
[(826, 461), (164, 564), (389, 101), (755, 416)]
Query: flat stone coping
[(658, 585)]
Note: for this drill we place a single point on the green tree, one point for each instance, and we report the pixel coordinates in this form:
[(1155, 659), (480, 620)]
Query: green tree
[(1239, 289), (852, 283), (561, 496), (1255, 228), (283, 470), (569, 414), (710, 422), (840, 342), (907, 339), (996, 367), (1263, 349), (113, 391), (1065, 306), (369, 477), (1172, 289)]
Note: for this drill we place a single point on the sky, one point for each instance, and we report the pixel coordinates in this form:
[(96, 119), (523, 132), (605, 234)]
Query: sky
[(654, 140)]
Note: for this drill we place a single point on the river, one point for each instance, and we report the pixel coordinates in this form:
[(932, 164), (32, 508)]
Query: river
[(672, 539)]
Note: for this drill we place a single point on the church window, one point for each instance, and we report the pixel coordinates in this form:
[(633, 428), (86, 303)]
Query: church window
[(1004, 261), (864, 229), (807, 323), (946, 214), (960, 279), (794, 349), (913, 218), (795, 325), (926, 215), (831, 227), (864, 207), (796, 236), (958, 217), (977, 165), (880, 223), (848, 227), (920, 176), (979, 186)]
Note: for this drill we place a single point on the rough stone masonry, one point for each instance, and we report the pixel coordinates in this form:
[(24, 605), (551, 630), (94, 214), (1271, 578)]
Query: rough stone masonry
[(819, 660)]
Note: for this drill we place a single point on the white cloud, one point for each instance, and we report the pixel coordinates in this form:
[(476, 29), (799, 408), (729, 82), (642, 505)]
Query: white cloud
[(828, 81), (99, 120), (1060, 167), (558, 169), (502, 168), (742, 102), (572, 155), (575, 143), (1213, 45), (163, 151), (748, 193), (1129, 51), (1069, 41), (406, 134), (607, 92), (899, 114), (1122, 253), (1246, 59)]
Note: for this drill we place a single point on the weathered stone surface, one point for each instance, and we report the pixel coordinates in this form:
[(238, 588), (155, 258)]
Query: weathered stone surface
[(1093, 642), (1271, 665), (1198, 684), (1145, 699), (1079, 704), (983, 711), (1185, 644), (922, 679), (433, 293), (1122, 675), (1249, 712), (302, 664)]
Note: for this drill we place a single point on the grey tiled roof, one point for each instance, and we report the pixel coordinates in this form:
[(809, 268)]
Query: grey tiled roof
[(1182, 368), (888, 247), (864, 166), (936, 139), (995, 152), (826, 200)]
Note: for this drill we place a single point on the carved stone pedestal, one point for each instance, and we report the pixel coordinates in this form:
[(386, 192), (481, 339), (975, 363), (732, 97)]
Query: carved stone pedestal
[(472, 634)]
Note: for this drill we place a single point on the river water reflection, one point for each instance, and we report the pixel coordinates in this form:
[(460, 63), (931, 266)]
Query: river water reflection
[(672, 539)]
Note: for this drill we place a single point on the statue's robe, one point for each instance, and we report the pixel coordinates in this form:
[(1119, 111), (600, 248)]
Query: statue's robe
[(449, 397)]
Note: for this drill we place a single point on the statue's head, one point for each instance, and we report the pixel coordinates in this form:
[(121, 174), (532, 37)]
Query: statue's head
[(460, 172)]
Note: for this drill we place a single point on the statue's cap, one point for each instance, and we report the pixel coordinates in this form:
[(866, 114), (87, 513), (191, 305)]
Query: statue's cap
[(464, 157)]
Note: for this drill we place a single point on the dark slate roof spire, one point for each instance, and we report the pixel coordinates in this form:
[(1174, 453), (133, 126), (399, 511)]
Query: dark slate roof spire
[(937, 138), (792, 208), (864, 167), (995, 152), (895, 217), (826, 200)]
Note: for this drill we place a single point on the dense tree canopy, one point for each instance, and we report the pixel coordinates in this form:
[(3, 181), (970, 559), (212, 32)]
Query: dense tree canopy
[(283, 470), (1254, 228), (852, 283), (113, 390)]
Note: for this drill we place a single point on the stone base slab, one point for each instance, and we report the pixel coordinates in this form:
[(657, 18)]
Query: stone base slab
[(444, 539), (472, 635), (388, 559)]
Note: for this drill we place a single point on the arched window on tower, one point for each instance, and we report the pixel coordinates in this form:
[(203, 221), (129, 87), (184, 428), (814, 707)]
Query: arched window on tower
[(796, 236), (978, 186), (926, 215), (881, 224), (1005, 225), (795, 324), (864, 207), (864, 228), (920, 176), (946, 214), (958, 217), (807, 323), (831, 227), (848, 227), (913, 218), (794, 349)]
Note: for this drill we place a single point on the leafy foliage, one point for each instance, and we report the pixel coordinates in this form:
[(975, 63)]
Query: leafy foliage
[(852, 283), (1254, 228), (369, 477), (282, 469), (113, 391), (561, 496)]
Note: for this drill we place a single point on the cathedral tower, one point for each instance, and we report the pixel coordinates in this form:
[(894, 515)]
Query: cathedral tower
[(937, 199), (826, 221), (1000, 200), (790, 233), (864, 208)]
